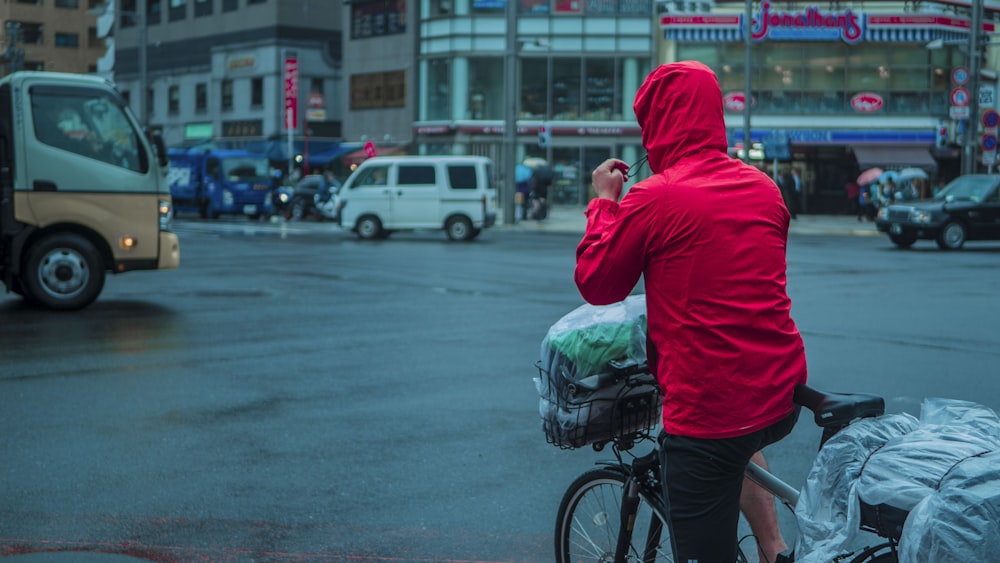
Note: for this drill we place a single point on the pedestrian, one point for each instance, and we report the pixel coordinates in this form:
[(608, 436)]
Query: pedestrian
[(707, 234), (853, 191), (787, 186)]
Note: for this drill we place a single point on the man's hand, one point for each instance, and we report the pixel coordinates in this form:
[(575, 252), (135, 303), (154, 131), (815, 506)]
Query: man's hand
[(608, 178)]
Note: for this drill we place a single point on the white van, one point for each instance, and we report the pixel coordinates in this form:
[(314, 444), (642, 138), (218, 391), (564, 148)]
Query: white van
[(394, 193)]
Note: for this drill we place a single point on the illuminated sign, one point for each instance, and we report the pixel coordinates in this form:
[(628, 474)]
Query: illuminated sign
[(812, 22)]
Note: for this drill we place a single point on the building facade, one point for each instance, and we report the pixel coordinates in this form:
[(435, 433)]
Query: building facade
[(234, 71), (52, 35), (834, 90)]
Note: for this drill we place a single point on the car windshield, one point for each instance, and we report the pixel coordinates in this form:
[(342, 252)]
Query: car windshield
[(245, 168), (967, 188)]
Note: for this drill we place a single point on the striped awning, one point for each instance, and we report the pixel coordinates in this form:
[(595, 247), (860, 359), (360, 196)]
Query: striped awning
[(705, 34)]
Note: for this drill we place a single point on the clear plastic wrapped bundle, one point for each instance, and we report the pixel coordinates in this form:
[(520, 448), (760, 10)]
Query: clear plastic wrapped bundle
[(593, 383), (876, 471), (961, 521)]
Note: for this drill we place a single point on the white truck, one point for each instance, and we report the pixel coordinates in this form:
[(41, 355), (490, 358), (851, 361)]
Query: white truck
[(83, 189)]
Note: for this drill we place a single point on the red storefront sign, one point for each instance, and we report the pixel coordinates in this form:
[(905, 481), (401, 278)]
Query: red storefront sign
[(867, 102)]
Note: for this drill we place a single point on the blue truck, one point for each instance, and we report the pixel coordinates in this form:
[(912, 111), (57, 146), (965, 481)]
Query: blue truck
[(214, 181)]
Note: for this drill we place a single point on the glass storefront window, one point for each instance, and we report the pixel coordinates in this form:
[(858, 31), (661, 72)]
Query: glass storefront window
[(809, 77), (438, 89), (566, 88), (486, 88), (600, 89), (534, 88)]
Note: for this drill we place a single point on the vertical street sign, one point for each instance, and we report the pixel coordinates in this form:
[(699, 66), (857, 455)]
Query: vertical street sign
[(291, 90)]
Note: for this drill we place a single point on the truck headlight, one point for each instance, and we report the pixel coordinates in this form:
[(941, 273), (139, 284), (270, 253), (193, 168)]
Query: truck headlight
[(919, 216), (166, 214), (883, 213)]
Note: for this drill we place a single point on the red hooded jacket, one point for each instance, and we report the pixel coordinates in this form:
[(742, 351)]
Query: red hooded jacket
[(708, 233)]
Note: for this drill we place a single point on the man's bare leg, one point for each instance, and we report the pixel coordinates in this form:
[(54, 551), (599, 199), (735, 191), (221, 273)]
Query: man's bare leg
[(758, 507)]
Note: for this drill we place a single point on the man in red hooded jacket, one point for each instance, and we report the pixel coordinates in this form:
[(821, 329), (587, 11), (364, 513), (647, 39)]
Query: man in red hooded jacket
[(708, 233)]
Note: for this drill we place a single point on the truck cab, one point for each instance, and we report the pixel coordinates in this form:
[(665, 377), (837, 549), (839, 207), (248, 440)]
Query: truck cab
[(214, 182), (82, 189)]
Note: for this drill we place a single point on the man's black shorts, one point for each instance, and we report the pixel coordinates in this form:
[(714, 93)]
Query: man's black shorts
[(702, 481)]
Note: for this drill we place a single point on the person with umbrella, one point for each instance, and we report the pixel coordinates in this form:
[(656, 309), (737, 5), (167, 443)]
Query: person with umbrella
[(522, 181)]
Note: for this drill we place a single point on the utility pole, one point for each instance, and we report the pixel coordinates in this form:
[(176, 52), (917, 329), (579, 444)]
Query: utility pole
[(971, 138), (510, 116)]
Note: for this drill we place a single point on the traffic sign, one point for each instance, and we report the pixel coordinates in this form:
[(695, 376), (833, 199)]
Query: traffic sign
[(956, 112), (960, 75), (960, 97), (987, 96), (991, 119), (989, 143)]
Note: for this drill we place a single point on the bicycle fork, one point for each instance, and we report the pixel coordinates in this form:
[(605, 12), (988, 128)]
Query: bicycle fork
[(629, 512)]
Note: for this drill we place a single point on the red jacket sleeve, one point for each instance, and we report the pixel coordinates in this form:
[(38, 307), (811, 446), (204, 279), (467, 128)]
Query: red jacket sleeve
[(611, 257)]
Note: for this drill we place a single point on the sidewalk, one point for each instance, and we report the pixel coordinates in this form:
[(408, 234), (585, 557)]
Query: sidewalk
[(570, 219)]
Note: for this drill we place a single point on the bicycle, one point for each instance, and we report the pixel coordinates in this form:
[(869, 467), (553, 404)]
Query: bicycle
[(615, 513)]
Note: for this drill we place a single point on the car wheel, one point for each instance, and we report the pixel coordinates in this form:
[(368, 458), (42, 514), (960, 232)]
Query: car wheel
[(903, 241), (952, 236), (459, 228), (63, 272), (369, 228)]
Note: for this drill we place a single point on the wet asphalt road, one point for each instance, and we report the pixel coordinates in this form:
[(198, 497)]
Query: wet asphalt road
[(293, 394)]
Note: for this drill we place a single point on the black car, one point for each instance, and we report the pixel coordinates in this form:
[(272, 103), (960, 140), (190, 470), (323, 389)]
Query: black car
[(966, 209)]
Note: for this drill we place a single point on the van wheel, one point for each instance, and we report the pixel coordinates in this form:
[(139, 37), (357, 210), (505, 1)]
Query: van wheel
[(459, 228), (63, 272), (369, 228)]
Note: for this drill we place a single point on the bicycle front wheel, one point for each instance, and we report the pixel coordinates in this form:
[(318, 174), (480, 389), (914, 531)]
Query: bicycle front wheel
[(590, 518)]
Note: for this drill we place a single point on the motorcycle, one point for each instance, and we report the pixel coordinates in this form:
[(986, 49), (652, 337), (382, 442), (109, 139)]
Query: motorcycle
[(315, 197)]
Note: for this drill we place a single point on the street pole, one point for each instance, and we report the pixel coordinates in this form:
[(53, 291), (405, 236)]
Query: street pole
[(510, 115), (969, 165), (140, 7)]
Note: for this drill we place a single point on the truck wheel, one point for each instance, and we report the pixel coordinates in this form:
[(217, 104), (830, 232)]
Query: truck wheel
[(64, 272), (369, 227), (459, 228)]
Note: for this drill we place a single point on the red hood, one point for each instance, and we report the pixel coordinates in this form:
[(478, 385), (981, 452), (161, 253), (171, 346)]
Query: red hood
[(679, 108)]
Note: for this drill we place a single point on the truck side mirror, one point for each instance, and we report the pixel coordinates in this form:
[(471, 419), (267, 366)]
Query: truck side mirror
[(159, 146)]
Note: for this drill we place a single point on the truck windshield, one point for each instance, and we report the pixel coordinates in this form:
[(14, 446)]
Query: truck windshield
[(245, 168)]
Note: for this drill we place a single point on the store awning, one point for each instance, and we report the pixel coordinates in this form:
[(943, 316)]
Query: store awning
[(889, 157)]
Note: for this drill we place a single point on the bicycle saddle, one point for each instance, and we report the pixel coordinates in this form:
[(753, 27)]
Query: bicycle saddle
[(838, 409)]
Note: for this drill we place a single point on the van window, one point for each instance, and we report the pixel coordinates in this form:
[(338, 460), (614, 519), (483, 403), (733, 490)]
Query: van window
[(462, 176), (371, 176), (417, 175)]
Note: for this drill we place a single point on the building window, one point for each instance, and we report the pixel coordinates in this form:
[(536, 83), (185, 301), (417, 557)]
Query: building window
[(128, 12), (31, 33), (829, 78), (255, 2), (74, 4), (92, 39), (154, 11), (178, 10), (93, 4), (230, 5), (67, 40), (201, 98), (438, 102), (378, 90), (534, 88), (227, 95), (485, 88), (202, 8), (174, 100), (375, 18), (566, 88), (256, 92)]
